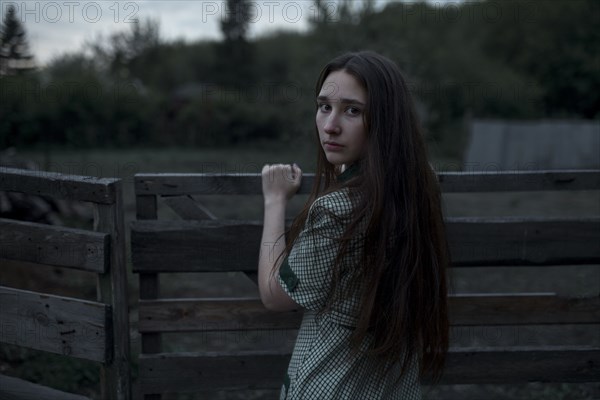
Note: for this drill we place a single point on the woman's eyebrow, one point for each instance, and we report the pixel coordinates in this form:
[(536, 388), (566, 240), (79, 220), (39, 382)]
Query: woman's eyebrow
[(343, 101)]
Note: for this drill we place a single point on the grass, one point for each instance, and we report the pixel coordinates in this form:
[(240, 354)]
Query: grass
[(126, 162)]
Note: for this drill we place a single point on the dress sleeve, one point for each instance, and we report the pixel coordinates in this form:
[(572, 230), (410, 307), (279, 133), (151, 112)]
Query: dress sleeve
[(305, 272)]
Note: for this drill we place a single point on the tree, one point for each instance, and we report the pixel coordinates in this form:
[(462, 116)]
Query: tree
[(325, 12), (235, 53), (235, 24), (555, 43), (321, 13), (14, 49), (121, 49)]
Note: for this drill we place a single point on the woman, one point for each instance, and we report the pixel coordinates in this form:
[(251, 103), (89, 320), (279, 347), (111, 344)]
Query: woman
[(366, 258)]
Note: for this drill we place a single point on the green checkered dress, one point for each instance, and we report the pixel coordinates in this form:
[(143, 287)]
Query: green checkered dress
[(322, 366)]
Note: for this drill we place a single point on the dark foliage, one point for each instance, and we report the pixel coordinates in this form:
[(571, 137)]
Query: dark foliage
[(514, 59)]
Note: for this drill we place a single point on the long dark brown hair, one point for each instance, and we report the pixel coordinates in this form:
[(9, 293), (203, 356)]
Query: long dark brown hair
[(403, 300)]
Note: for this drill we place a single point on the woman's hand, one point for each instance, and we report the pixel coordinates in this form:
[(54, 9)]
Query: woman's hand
[(280, 181)]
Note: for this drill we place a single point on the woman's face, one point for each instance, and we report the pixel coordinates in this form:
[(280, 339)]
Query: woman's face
[(340, 118)]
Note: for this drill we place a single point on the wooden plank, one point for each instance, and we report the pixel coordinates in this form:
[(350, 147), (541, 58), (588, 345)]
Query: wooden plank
[(147, 209), (187, 208), (250, 183), (151, 342), (113, 289), (199, 246), (186, 372), (202, 184), (522, 365), (253, 276), (61, 325), (212, 246), (54, 245), (59, 186), (191, 372), (519, 181), (150, 290), (522, 308), (223, 314), (17, 389), (212, 314), (523, 241)]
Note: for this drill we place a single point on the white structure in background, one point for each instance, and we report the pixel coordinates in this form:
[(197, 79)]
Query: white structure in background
[(497, 145)]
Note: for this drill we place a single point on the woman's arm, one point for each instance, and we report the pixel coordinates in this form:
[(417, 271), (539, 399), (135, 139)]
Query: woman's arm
[(279, 183)]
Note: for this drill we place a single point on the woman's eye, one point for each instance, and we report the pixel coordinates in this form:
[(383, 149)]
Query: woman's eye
[(353, 111), (324, 107)]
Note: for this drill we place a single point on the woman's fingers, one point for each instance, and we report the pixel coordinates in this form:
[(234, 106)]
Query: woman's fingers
[(275, 171), (297, 173), (281, 179)]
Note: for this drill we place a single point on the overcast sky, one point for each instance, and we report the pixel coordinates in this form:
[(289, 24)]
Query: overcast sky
[(55, 27)]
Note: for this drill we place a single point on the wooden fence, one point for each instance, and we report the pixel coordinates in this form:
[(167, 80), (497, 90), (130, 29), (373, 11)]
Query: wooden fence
[(201, 243), (90, 330)]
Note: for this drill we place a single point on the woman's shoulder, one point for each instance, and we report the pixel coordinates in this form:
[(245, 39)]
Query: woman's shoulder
[(338, 202)]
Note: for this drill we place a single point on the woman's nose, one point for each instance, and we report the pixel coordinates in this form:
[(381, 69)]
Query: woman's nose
[(332, 125)]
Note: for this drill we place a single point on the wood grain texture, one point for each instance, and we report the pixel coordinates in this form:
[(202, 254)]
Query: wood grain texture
[(212, 314), (199, 246), (54, 245), (220, 246), (523, 241), (147, 209), (188, 208), (519, 181), (451, 182), (223, 245), (522, 364), (61, 325), (187, 372), (58, 186), (113, 290), (237, 314), (97, 331), (522, 309)]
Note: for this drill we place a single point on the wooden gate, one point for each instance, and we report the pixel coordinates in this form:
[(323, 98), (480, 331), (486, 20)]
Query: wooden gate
[(199, 243), (90, 330)]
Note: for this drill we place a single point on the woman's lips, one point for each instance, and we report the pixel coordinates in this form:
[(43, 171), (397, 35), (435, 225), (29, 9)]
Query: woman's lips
[(333, 146)]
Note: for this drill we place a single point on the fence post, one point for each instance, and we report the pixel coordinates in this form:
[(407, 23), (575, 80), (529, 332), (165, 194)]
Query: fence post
[(112, 289)]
